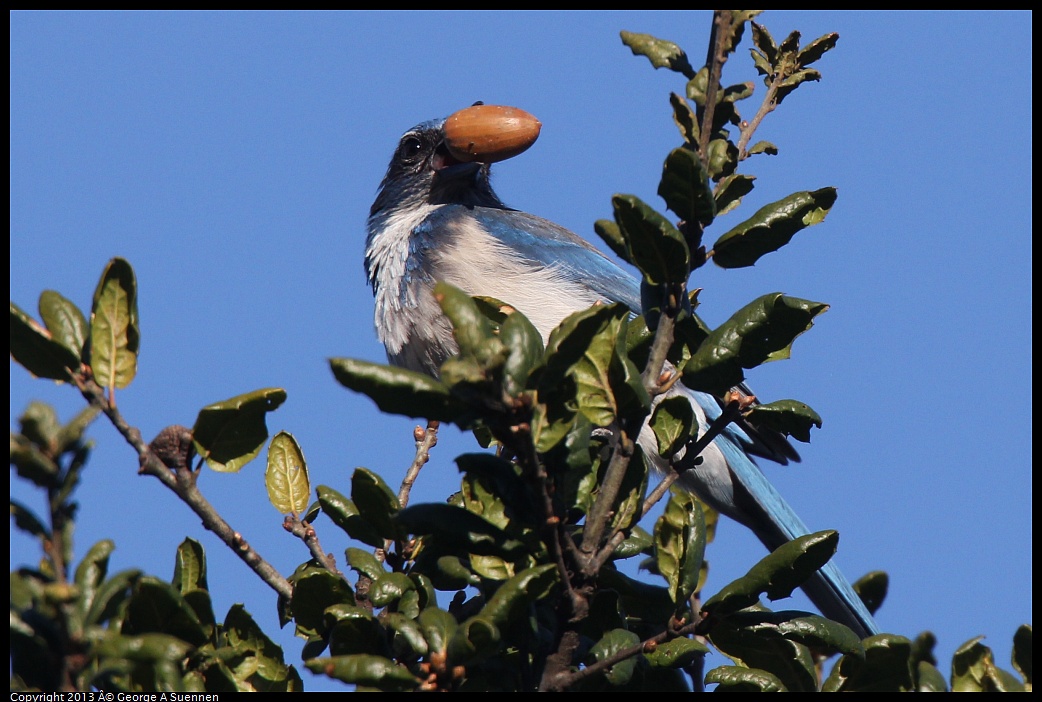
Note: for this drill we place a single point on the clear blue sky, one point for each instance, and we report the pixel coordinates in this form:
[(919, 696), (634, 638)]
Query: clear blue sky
[(232, 159)]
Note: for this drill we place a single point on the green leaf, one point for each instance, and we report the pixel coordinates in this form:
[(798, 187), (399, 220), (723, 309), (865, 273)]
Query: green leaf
[(661, 53), (772, 227), (776, 575), (685, 187), (468, 530), (314, 591), (731, 190), (816, 49), (655, 246), (91, 572), (33, 347), (64, 321), (762, 331), (816, 632), (366, 671), (399, 391), (884, 668), (145, 648), (587, 367), (685, 119), (611, 643), (230, 434), (157, 607), (763, 147), (609, 231), (364, 563), (190, 580), (974, 670), (1022, 652), (27, 521), (872, 588), (376, 502), (680, 542), (31, 463), (408, 636), (791, 662), (672, 422), (470, 327), (512, 598), (390, 588), (733, 678), (788, 417), (345, 514), (676, 653), (286, 477), (524, 347), (114, 333), (110, 597)]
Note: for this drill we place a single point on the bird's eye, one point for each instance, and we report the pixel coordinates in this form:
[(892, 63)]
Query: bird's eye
[(411, 149)]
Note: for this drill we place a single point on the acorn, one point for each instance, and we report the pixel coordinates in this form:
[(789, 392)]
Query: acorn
[(489, 133)]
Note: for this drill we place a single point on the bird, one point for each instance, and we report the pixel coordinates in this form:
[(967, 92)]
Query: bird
[(437, 218)]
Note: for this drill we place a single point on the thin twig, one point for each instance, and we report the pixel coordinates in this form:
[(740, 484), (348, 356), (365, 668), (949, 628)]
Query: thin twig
[(426, 439), (182, 482)]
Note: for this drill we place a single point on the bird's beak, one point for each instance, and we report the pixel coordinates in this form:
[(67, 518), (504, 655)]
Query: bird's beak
[(445, 165)]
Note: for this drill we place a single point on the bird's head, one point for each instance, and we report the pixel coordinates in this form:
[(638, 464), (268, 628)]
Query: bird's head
[(447, 161), (424, 172)]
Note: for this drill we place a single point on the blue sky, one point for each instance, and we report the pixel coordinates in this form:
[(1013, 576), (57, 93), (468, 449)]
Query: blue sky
[(232, 159)]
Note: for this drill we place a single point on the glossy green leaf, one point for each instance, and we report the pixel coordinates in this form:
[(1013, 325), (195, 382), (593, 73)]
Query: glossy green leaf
[(685, 187), (872, 588), (376, 502), (762, 331), (733, 678), (286, 477), (230, 434), (144, 648), (632, 490), (114, 333), (157, 607), (408, 636), (27, 521), (772, 227), (365, 563), (610, 233), (33, 347), (314, 591), (512, 598), (64, 321), (1021, 658), (661, 53), (613, 642), (399, 391), (91, 572), (685, 119), (269, 670), (524, 348), (680, 542), (190, 580), (110, 596), (731, 190), (655, 246), (354, 630), (438, 626), (788, 417), (366, 671), (974, 670), (390, 588), (588, 348), (470, 327), (672, 422), (791, 662), (468, 530), (345, 514), (473, 640), (884, 668), (676, 653), (452, 574), (763, 147), (928, 678), (816, 632), (793, 81), (817, 48), (778, 574)]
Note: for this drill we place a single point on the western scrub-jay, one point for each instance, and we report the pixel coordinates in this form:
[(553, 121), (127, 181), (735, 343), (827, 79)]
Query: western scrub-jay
[(437, 218)]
